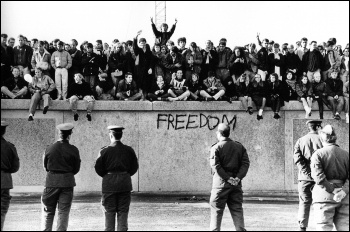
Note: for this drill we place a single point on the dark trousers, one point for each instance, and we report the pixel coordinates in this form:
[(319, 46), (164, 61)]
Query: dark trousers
[(305, 201), (321, 101), (154, 97), (116, 203), (336, 105), (233, 197), (52, 197), (5, 204), (275, 104)]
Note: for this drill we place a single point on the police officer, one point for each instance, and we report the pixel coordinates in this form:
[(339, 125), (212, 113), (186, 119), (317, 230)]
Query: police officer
[(230, 163), (330, 170), (62, 162), (303, 150), (9, 164), (116, 164)]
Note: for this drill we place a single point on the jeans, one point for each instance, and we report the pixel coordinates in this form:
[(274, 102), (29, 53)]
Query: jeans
[(336, 105), (305, 201), (328, 215), (136, 96), (12, 94), (61, 81), (275, 104), (5, 204), (116, 203), (91, 80), (310, 76), (154, 97), (52, 197), (34, 101), (73, 101), (233, 197), (262, 74)]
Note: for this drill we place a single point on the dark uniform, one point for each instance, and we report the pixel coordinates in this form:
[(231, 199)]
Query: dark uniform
[(303, 150), (9, 164), (116, 164), (330, 170), (227, 159), (62, 162)]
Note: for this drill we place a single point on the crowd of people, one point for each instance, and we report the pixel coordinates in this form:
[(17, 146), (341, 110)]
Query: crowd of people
[(266, 73)]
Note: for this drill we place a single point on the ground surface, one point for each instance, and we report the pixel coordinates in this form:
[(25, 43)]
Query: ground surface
[(159, 213)]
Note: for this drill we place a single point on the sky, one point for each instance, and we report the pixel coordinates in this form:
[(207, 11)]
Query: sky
[(238, 22)]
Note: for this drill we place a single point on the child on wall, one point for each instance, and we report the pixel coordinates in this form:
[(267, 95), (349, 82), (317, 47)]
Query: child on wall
[(304, 91), (80, 90)]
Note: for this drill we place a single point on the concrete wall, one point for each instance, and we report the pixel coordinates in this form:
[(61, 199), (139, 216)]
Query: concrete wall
[(172, 141)]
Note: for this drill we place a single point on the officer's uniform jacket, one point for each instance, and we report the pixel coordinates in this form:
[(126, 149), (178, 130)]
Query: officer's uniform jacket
[(116, 164), (303, 150), (62, 162), (330, 169), (228, 159), (9, 163)]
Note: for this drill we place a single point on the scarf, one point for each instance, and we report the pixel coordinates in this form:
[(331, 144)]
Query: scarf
[(291, 83)]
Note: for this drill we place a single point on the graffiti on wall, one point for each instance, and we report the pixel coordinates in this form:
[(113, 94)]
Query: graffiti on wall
[(193, 121)]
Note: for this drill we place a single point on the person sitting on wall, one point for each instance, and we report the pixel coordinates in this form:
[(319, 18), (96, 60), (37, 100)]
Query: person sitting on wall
[(275, 92), (304, 91), (178, 90), (127, 89), (105, 89), (194, 86), (159, 90), (213, 88), (319, 91), (346, 100), (335, 94), (257, 92), (15, 87), (243, 87), (172, 62), (40, 88), (80, 90)]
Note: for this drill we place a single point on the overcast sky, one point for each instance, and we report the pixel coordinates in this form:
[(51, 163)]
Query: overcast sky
[(197, 21)]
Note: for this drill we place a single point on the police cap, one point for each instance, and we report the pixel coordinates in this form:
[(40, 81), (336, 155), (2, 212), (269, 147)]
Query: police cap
[(115, 128), (4, 124), (65, 127), (314, 122)]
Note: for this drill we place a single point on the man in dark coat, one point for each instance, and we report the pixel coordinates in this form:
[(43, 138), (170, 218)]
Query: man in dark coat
[(303, 150), (116, 164), (62, 162), (143, 67), (230, 163), (9, 164), (163, 36)]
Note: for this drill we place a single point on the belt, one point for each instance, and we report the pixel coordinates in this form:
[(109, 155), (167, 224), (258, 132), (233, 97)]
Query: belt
[(336, 181), (59, 67), (116, 173)]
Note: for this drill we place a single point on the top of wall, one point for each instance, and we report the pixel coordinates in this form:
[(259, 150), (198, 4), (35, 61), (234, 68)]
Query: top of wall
[(19, 104)]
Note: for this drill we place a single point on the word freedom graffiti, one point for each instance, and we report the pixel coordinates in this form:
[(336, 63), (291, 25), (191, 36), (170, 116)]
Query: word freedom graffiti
[(193, 121)]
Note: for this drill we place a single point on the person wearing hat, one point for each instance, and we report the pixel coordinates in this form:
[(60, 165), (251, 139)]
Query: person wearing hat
[(303, 150), (61, 162), (229, 162), (163, 36), (116, 164), (330, 170), (9, 164)]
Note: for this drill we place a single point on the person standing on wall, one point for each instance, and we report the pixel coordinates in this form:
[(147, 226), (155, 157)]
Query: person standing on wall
[(303, 150), (330, 170), (116, 164), (9, 164), (62, 162), (230, 163)]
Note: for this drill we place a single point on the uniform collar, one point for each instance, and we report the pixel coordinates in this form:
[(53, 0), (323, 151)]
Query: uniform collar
[(225, 139), (313, 132), (63, 141), (325, 144)]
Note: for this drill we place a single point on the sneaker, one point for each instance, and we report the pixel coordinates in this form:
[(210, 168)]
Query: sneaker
[(259, 117), (275, 116), (250, 110), (30, 118), (278, 116), (88, 116), (45, 109), (337, 117), (76, 117)]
